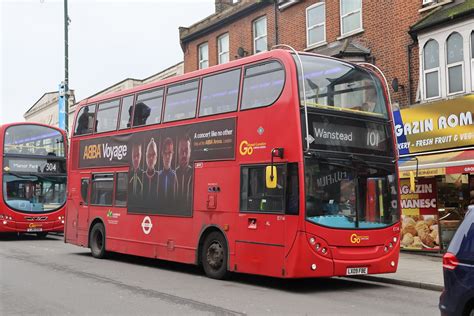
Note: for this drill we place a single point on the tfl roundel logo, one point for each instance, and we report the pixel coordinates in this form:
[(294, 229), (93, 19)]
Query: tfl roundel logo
[(147, 225)]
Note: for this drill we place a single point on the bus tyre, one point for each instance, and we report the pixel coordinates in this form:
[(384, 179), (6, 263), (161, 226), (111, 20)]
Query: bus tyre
[(97, 241), (214, 256)]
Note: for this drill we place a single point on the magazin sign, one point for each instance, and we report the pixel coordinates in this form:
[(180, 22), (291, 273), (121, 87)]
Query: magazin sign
[(435, 126)]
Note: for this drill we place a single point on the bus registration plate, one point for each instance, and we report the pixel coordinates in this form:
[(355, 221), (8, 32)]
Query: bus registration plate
[(36, 229), (356, 271)]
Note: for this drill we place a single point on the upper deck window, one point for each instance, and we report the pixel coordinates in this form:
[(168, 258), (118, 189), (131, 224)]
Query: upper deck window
[(35, 140), (181, 101), (126, 112), (107, 115), (263, 84), (334, 84), (85, 120), (148, 108), (220, 93)]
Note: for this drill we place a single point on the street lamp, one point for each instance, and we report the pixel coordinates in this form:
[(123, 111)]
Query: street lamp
[(66, 69)]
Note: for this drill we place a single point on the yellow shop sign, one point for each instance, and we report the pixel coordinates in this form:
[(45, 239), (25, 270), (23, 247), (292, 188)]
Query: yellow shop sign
[(435, 126)]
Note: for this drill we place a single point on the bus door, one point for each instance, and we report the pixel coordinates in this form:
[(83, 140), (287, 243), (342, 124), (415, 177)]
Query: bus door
[(78, 211), (260, 245)]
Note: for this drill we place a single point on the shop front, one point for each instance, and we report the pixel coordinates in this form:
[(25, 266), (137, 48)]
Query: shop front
[(436, 147)]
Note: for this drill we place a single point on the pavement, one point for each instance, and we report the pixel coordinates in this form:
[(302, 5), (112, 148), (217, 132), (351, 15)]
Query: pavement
[(419, 270)]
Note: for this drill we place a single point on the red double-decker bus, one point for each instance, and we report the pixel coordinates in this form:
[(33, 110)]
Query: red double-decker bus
[(280, 164), (33, 196)]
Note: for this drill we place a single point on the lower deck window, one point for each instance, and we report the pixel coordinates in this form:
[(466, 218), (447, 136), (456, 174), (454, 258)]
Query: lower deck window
[(102, 189)]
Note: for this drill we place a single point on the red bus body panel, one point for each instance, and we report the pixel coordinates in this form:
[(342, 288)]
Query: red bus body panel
[(266, 244)]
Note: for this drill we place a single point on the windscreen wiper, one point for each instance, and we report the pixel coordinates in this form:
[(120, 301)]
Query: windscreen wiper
[(326, 161), (21, 176)]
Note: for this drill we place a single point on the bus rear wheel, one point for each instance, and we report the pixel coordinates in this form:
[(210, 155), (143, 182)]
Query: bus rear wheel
[(214, 256), (97, 241)]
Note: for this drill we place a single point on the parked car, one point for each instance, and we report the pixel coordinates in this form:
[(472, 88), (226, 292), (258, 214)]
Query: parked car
[(458, 270)]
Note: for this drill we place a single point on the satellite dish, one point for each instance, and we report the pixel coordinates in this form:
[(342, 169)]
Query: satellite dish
[(241, 52)]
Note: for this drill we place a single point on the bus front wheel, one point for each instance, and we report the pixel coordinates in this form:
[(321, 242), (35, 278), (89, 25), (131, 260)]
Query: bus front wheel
[(97, 241), (214, 256)]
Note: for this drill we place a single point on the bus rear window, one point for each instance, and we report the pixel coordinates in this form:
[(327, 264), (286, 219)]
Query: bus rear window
[(181, 101), (107, 115), (85, 120), (263, 84), (148, 108), (220, 93)]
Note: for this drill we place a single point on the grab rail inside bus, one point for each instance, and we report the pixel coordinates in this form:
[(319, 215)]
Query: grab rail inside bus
[(304, 90)]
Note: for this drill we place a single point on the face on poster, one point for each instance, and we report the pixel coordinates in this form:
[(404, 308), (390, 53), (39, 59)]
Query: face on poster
[(161, 162)]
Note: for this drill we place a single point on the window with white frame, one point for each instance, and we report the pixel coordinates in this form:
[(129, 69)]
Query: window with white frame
[(223, 48), (351, 16), (203, 56), (472, 60), (316, 24), (431, 69), (454, 63), (260, 35)]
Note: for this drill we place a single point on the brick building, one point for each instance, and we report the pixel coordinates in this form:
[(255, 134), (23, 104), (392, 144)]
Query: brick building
[(425, 49), (372, 31)]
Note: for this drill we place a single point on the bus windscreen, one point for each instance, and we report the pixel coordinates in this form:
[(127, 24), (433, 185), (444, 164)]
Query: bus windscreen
[(33, 140), (332, 84), (346, 194)]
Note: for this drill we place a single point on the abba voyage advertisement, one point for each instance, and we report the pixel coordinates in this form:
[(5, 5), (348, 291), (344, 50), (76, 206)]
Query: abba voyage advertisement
[(160, 179)]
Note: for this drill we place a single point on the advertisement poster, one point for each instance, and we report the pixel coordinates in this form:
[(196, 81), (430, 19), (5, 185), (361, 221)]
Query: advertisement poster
[(161, 162), (420, 230)]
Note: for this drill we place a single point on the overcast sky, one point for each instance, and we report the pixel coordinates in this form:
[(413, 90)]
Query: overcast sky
[(109, 40)]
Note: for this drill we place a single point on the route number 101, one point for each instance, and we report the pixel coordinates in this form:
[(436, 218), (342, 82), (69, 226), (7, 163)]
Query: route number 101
[(373, 138)]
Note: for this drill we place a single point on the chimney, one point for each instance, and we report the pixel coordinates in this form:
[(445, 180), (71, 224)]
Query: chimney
[(222, 5)]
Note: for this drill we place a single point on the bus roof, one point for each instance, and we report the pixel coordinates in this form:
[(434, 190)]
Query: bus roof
[(276, 53), (6, 125)]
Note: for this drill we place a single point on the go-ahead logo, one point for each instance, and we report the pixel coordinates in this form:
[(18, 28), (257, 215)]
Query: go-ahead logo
[(356, 239), (245, 148), (147, 225)]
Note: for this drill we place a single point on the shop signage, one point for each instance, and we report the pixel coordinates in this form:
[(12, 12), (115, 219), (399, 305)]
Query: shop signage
[(420, 230), (435, 126), (429, 172)]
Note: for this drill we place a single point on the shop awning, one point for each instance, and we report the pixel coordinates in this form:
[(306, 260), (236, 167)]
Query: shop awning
[(438, 164)]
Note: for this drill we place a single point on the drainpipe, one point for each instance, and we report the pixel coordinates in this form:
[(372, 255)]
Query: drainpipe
[(275, 9), (409, 49)]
